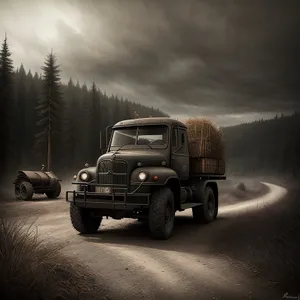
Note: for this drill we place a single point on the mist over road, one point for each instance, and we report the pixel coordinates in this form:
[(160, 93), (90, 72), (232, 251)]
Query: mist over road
[(196, 263), (274, 194)]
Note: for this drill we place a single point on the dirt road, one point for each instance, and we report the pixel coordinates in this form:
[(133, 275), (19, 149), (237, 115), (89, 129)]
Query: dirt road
[(198, 262)]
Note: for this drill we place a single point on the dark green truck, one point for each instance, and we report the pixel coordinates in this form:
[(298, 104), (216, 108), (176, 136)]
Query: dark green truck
[(145, 175)]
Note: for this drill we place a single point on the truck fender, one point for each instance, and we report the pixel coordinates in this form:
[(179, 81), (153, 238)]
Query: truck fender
[(91, 171), (155, 175), (92, 176)]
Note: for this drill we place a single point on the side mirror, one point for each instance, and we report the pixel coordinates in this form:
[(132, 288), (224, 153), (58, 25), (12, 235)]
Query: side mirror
[(107, 135), (86, 165)]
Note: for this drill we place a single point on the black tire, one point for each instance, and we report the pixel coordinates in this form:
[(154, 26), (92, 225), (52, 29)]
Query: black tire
[(18, 191), (24, 190), (82, 220), (207, 212), (162, 214), (143, 221), (56, 191)]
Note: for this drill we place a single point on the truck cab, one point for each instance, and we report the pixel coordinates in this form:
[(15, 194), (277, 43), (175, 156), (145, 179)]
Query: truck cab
[(145, 175)]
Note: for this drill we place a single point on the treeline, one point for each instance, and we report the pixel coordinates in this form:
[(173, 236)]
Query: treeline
[(264, 147), (40, 114)]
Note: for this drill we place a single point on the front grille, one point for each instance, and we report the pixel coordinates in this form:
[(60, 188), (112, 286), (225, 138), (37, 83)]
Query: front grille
[(114, 173)]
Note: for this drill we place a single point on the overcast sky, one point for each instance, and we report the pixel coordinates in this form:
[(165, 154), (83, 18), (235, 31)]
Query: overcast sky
[(233, 61)]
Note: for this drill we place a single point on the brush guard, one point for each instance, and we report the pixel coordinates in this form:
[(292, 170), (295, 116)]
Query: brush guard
[(117, 199)]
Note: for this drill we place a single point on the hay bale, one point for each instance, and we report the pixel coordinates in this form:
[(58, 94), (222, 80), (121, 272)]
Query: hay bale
[(204, 129), (205, 139)]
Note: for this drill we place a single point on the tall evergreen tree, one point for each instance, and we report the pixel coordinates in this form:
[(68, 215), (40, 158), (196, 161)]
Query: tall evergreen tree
[(49, 105), (96, 123), (34, 92), (71, 123), (6, 97), (20, 118), (85, 118)]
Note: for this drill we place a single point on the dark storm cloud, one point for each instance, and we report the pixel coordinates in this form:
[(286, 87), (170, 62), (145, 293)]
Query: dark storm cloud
[(187, 57), (230, 56)]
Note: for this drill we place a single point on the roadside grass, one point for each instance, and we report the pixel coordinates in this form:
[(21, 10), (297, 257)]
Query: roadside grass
[(30, 269), (267, 244), (278, 253)]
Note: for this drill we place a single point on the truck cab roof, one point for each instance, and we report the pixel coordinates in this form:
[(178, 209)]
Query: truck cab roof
[(149, 121)]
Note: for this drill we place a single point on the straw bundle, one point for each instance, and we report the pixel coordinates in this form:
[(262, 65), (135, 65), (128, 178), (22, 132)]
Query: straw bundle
[(204, 129), (205, 147), (205, 139)]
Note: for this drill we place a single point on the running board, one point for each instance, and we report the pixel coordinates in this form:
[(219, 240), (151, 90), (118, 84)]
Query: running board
[(189, 205)]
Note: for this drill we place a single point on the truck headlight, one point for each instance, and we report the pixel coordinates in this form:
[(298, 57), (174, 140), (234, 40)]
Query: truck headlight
[(142, 176), (84, 176)]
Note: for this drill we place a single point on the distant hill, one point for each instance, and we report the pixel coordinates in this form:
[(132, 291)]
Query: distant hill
[(266, 147)]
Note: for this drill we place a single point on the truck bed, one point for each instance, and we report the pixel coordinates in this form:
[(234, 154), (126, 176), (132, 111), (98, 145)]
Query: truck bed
[(207, 166)]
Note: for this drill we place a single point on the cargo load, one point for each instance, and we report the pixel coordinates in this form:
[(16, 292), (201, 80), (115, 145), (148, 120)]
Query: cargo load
[(206, 148)]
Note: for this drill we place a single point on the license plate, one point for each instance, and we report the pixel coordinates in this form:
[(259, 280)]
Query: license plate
[(103, 189)]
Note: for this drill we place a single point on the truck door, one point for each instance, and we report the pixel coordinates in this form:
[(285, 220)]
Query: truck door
[(180, 154)]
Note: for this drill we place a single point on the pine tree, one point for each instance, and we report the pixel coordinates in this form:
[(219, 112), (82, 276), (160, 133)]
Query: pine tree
[(6, 97), (128, 113), (116, 112), (20, 118), (95, 123), (71, 123), (85, 117), (49, 106), (33, 97)]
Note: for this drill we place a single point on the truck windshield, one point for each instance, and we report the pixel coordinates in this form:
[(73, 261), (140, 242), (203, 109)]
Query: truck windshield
[(156, 136)]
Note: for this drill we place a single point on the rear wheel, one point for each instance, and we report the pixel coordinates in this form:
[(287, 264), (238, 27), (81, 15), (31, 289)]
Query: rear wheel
[(83, 221), (207, 212), (24, 190), (55, 192), (162, 214)]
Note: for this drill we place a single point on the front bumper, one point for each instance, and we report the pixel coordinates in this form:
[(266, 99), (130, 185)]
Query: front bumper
[(118, 199)]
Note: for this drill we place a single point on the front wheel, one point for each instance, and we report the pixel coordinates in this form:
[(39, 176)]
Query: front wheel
[(83, 221), (162, 214), (207, 212)]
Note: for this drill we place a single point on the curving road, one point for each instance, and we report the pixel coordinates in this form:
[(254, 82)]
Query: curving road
[(191, 265), (274, 194)]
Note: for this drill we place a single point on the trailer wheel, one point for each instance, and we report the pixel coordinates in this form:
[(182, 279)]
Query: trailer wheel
[(55, 192), (82, 220), (162, 214), (24, 190), (18, 191), (207, 212)]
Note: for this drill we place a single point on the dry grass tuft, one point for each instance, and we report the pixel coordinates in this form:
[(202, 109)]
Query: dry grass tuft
[(31, 270)]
